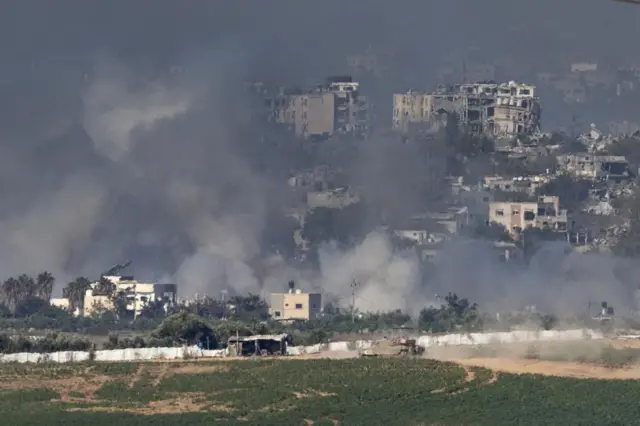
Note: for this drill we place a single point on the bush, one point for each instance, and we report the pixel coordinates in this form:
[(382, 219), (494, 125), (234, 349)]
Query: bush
[(53, 342), (186, 328)]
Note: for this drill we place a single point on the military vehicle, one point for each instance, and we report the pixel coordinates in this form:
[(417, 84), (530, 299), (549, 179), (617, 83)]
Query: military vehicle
[(393, 348)]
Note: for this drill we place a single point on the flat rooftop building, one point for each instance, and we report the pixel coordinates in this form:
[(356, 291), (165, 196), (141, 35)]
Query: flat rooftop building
[(335, 107), (516, 217), (504, 110), (295, 305)]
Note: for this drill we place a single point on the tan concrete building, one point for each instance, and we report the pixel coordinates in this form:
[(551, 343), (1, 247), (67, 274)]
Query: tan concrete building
[(499, 110), (543, 214), (418, 108), (308, 114), (295, 305), (138, 295), (60, 302), (589, 166), (335, 107)]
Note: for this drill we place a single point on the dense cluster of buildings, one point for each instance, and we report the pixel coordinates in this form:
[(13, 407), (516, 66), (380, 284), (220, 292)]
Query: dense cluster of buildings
[(498, 110), (338, 107)]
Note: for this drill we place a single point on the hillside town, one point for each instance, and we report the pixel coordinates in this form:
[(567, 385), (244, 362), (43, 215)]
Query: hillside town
[(505, 180), (320, 213), (385, 187)]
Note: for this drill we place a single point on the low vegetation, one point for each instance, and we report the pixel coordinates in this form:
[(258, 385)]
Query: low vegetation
[(298, 392)]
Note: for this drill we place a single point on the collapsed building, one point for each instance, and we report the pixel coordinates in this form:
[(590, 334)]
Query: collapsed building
[(504, 110), (545, 213), (589, 166), (525, 184), (337, 106), (337, 198)]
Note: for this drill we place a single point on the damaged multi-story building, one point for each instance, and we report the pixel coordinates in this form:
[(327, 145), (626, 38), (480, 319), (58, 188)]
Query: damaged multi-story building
[(589, 166), (335, 107), (504, 110), (522, 184), (544, 213), (627, 80)]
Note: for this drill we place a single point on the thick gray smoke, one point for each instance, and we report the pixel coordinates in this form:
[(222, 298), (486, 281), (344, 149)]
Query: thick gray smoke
[(113, 112), (177, 143), (46, 235), (384, 280), (557, 280), (107, 160)]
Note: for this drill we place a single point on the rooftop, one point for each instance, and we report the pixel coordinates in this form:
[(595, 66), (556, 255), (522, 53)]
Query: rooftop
[(276, 337)]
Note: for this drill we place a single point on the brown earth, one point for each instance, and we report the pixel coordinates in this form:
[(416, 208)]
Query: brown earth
[(82, 389), (553, 368), (182, 403), (513, 358)]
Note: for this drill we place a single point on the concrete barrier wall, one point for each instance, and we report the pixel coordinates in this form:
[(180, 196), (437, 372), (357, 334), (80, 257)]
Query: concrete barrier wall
[(460, 339), (507, 337), (143, 354)]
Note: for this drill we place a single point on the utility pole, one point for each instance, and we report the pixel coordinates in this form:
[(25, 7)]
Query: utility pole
[(223, 302), (354, 285)]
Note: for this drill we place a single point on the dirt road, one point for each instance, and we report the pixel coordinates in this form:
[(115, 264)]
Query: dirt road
[(553, 368)]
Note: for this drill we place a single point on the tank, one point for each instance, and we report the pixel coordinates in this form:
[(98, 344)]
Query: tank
[(393, 348)]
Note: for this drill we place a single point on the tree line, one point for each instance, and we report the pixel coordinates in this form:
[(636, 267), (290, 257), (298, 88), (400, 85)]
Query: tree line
[(209, 321)]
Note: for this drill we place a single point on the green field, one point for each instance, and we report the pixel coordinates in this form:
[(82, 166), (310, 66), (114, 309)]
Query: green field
[(304, 392)]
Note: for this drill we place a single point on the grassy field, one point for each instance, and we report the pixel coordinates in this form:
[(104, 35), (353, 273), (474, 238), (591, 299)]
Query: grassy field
[(305, 392)]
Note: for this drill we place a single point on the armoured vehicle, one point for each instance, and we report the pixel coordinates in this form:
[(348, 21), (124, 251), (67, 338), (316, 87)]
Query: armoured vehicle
[(393, 348)]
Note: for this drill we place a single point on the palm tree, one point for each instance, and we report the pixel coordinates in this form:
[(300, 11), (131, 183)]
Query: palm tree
[(105, 287), (27, 287), (11, 290), (74, 292), (44, 284)]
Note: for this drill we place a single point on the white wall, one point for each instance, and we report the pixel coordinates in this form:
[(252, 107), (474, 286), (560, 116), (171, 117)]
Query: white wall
[(463, 339), (194, 352), (113, 355)]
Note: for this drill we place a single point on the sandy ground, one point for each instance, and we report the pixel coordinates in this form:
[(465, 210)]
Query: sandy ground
[(553, 368), (512, 358)]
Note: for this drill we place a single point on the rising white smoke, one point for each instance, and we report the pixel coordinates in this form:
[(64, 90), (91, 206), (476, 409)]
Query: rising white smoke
[(172, 135), (44, 237), (113, 112), (557, 279), (384, 280)]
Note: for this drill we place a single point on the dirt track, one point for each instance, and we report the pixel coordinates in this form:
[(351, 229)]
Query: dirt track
[(514, 358), (553, 368)]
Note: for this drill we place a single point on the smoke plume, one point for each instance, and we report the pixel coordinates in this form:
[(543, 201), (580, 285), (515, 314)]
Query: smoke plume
[(128, 157), (382, 280)]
